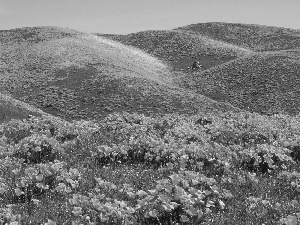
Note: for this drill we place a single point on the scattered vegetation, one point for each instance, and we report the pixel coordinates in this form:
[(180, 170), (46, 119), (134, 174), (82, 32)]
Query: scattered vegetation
[(135, 142), (232, 168), (180, 49)]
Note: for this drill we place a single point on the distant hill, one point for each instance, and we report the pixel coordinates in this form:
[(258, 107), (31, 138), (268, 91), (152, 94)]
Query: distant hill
[(179, 48), (252, 67), (11, 108), (266, 83), (252, 37), (76, 75)]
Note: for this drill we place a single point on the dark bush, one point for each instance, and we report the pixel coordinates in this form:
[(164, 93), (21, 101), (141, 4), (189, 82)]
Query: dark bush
[(262, 167), (295, 154)]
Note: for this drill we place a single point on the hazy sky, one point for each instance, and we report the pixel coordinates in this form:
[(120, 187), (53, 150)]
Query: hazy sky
[(128, 16)]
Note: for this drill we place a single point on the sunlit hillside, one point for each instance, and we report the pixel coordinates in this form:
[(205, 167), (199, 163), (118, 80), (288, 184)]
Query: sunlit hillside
[(253, 37), (95, 131), (252, 67), (11, 108), (267, 83), (78, 75), (180, 48)]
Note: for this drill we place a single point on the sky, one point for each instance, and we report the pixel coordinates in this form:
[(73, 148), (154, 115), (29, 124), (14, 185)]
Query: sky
[(129, 16)]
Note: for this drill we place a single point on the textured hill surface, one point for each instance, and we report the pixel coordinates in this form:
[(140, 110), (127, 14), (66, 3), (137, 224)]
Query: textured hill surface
[(78, 75), (11, 108), (267, 83), (252, 67), (253, 37), (180, 48)]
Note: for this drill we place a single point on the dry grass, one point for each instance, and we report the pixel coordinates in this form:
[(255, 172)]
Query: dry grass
[(77, 75), (177, 47), (266, 83), (253, 37), (252, 67), (11, 108)]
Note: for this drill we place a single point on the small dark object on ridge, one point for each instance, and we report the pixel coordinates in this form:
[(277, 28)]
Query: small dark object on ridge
[(196, 65), (203, 122)]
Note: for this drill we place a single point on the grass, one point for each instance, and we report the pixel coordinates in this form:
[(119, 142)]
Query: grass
[(251, 67), (180, 49), (249, 36), (177, 157), (266, 83), (53, 74), (11, 108)]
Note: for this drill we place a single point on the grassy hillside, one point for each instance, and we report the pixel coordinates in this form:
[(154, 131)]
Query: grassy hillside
[(266, 83), (78, 75), (252, 67), (221, 165), (35, 34), (253, 37), (11, 108), (180, 49)]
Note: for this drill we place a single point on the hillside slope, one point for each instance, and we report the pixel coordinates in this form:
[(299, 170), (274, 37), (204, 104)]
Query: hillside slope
[(179, 49), (267, 83), (253, 67), (11, 108), (253, 37), (78, 75)]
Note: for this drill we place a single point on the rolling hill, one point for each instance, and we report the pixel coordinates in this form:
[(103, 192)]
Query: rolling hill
[(76, 75), (11, 108), (266, 83), (179, 48), (252, 67), (249, 36), (221, 165)]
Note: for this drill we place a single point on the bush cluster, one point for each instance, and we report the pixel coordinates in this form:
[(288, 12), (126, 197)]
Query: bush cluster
[(133, 169)]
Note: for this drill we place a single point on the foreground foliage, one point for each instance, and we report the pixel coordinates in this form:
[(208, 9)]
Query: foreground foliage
[(132, 169)]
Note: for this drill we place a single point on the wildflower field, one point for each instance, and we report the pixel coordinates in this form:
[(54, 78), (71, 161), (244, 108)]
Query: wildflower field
[(134, 137), (230, 168)]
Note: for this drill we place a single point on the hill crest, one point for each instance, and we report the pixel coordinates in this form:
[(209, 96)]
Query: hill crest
[(250, 36)]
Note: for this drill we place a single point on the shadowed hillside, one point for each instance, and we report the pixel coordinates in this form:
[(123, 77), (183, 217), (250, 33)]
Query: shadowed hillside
[(11, 108), (234, 70), (77, 75)]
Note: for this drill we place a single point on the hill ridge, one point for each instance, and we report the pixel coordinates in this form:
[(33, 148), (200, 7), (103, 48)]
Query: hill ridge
[(256, 37), (76, 75)]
